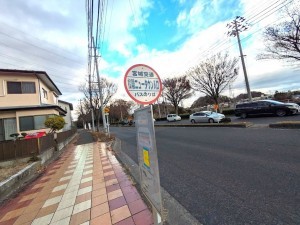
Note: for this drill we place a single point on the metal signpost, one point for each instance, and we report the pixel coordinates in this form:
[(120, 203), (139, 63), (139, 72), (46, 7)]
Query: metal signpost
[(144, 86), (106, 114)]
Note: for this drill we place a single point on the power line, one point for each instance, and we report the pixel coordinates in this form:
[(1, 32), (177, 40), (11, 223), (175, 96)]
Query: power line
[(36, 46), (213, 47), (34, 37)]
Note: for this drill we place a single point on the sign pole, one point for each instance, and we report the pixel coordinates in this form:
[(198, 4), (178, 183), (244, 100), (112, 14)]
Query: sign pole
[(143, 85)]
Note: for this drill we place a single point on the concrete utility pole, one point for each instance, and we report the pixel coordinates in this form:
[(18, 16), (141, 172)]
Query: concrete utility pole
[(158, 109), (100, 89), (237, 26), (91, 98)]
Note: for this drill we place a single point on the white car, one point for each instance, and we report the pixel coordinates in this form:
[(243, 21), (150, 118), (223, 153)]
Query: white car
[(173, 117), (206, 116)]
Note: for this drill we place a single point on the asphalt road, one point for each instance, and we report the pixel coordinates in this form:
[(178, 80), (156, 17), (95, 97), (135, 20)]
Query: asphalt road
[(229, 175)]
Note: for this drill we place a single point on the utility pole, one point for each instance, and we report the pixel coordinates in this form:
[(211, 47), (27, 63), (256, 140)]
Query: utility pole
[(121, 112), (90, 29), (100, 88), (158, 109), (237, 26)]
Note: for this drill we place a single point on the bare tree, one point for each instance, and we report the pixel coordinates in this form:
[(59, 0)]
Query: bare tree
[(108, 90), (81, 111), (120, 109), (212, 76), (177, 89), (282, 41)]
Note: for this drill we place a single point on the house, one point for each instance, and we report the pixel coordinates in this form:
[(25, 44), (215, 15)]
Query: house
[(27, 99), (68, 107)]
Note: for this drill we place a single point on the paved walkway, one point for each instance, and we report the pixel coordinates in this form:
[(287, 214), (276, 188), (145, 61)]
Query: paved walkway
[(87, 185)]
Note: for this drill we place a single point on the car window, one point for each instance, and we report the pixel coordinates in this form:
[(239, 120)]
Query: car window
[(253, 104), (263, 104), (240, 106)]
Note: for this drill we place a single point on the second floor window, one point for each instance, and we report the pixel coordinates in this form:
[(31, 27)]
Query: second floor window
[(45, 94), (20, 87)]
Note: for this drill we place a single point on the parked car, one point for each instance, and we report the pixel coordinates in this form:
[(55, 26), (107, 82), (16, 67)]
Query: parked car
[(206, 116), (173, 117), (265, 107)]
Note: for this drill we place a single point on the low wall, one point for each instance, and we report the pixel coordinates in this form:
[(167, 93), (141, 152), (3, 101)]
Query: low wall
[(19, 180), (13, 184)]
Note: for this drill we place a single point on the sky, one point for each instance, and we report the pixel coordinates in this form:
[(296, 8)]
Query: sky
[(171, 36)]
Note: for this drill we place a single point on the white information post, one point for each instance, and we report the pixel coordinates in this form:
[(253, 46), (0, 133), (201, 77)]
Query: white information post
[(143, 85), (148, 162)]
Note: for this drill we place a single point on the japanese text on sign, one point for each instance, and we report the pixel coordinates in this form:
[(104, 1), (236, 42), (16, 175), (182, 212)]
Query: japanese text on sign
[(142, 84)]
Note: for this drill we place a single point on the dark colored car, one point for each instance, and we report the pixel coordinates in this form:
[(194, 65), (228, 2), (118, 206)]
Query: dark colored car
[(266, 107)]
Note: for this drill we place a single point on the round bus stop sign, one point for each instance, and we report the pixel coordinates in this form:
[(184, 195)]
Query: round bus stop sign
[(142, 84)]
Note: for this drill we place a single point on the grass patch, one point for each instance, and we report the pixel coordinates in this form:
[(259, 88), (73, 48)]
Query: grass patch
[(8, 171), (102, 137)]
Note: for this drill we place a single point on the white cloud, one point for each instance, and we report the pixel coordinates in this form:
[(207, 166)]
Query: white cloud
[(125, 16)]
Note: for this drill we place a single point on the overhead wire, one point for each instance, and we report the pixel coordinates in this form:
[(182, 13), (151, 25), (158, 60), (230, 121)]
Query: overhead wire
[(36, 46), (16, 29), (213, 47)]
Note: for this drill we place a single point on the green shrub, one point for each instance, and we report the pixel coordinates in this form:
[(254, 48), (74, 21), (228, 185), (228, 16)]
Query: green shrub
[(55, 123)]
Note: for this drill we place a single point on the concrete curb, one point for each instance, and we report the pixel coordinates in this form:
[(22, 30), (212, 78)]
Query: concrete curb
[(14, 183), (240, 125), (173, 212), (18, 181), (285, 125), (235, 125)]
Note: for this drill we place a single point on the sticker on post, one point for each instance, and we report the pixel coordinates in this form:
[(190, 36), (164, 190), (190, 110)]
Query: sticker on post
[(146, 158)]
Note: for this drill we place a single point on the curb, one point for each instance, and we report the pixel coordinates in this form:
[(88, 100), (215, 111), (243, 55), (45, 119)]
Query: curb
[(14, 183), (240, 125), (173, 212), (285, 125), (235, 125)]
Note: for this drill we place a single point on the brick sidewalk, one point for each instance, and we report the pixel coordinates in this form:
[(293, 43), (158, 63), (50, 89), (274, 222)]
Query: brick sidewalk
[(87, 185)]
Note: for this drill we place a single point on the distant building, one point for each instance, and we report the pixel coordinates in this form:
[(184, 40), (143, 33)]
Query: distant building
[(27, 99), (68, 107)]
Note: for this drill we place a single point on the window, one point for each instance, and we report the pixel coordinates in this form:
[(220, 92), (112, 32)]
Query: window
[(26, 123), (39, 121), (45, 94), (20, 87), (33, 122)]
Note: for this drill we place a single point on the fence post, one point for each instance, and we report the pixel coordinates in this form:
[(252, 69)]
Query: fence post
[(39, 146)]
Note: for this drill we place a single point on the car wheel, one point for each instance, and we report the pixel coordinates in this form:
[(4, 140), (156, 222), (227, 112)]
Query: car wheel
[(280, 112), (193, 121), (211, 121), (243, 115)]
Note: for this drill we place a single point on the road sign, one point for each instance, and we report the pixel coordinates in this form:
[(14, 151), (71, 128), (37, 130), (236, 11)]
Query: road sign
[(147, 152), (106, 110), (142, 84)]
